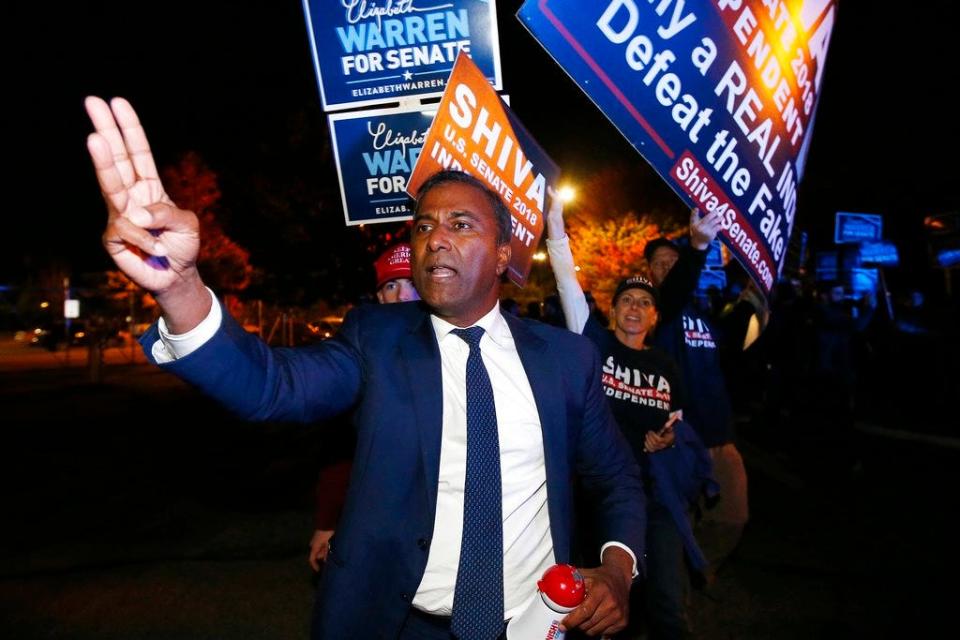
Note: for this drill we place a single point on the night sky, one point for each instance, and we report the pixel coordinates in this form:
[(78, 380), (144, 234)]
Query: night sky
[(237, 85)]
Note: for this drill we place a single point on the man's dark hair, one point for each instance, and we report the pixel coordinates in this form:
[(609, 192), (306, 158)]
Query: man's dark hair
[(499, 208), (653, 245)]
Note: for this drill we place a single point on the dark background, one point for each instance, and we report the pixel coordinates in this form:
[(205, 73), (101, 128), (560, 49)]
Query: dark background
[(236, 84), (125, 522)]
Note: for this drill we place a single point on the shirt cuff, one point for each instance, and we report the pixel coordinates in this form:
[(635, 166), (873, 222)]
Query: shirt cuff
[(173, 346), (634, 572)]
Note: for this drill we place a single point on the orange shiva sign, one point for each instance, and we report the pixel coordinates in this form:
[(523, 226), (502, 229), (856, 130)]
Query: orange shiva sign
[(474, 131)]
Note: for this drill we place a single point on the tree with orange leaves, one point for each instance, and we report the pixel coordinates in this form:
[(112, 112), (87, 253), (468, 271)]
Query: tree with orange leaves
[(608, 251), (618, 210), (223, 263)]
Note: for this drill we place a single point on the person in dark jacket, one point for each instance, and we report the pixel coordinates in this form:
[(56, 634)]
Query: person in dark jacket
[(686, 334)]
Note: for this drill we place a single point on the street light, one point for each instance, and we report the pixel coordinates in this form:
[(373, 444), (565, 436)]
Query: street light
[(567, 193)]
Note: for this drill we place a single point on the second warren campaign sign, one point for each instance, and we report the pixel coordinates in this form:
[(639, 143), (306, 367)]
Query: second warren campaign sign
[(475, 131), (376, 51), (718, 95), (375, 153)]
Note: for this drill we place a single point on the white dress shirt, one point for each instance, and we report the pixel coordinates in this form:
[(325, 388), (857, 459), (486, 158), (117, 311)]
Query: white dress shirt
[(527, 543)]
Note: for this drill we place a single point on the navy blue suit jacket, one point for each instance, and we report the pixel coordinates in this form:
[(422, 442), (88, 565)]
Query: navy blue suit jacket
[(385, 365)]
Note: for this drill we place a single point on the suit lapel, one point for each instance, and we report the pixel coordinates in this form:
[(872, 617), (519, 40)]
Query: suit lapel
[(421, 358), (543, 373), (545, 380)]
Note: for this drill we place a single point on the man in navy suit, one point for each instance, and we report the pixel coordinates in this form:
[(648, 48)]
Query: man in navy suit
[(410, 372)]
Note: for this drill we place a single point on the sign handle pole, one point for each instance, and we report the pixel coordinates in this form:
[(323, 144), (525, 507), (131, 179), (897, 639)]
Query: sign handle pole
[(886, 293)]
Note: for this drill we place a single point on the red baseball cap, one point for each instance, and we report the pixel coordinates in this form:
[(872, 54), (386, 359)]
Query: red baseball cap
[(393, 263)]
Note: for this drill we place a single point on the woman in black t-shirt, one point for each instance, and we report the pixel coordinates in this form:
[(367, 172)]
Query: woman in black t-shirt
[(645, 393)]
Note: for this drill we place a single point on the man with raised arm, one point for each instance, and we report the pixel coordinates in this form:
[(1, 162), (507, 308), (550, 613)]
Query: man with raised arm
[(687, 335), (471, 424)]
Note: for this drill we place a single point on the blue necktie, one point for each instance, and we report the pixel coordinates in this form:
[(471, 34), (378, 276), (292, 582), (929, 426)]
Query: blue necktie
[(478, 597)]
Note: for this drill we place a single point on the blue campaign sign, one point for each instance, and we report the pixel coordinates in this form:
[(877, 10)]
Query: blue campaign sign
[(863, 281), (718, 95), (712, 278), (857, 227), (883, 254), (375, 152), (369, 52), (948, 258), (826, 265), (827, 260), (944, 250)]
